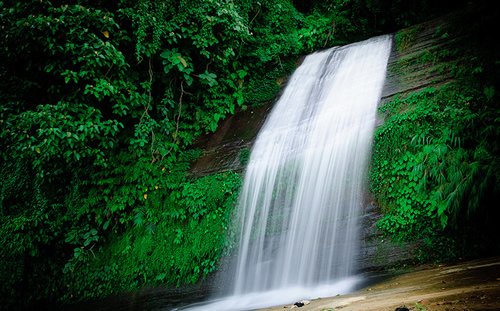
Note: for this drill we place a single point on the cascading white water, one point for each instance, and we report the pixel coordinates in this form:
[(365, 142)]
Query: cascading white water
[(304, 184)]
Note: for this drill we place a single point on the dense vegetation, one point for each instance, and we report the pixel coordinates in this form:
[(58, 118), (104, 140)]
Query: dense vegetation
[(101, 102), (436, 167)]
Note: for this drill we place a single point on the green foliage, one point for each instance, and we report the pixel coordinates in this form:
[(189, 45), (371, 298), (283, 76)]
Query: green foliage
[(244, 156), (435, 167), (178, 239), (405, 38), (27, 237), (99, 102)]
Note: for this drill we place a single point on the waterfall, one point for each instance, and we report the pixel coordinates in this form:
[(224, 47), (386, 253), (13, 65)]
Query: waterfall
[(299, 208)]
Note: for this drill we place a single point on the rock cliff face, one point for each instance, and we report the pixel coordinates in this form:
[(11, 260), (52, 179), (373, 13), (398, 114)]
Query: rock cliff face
[(411, 68), (421, 54), (226, 149)]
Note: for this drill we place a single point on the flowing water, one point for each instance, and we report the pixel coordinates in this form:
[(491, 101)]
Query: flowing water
[(299, 208)]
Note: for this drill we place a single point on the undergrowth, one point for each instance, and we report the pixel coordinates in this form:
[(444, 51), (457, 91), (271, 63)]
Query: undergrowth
[(177, 239), (436, 168)]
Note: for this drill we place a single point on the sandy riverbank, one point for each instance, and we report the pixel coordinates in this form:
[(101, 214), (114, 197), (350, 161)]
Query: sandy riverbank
[(471, 285)]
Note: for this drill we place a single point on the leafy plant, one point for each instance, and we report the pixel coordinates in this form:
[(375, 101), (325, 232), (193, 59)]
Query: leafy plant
[(100, 103), (435, 164)]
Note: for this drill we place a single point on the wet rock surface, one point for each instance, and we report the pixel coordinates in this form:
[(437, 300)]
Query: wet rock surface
[(225, 149), (378, 252), (469, 285)]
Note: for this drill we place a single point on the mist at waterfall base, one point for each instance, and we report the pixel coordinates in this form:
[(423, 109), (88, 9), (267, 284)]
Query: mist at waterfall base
[(299, 207)]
